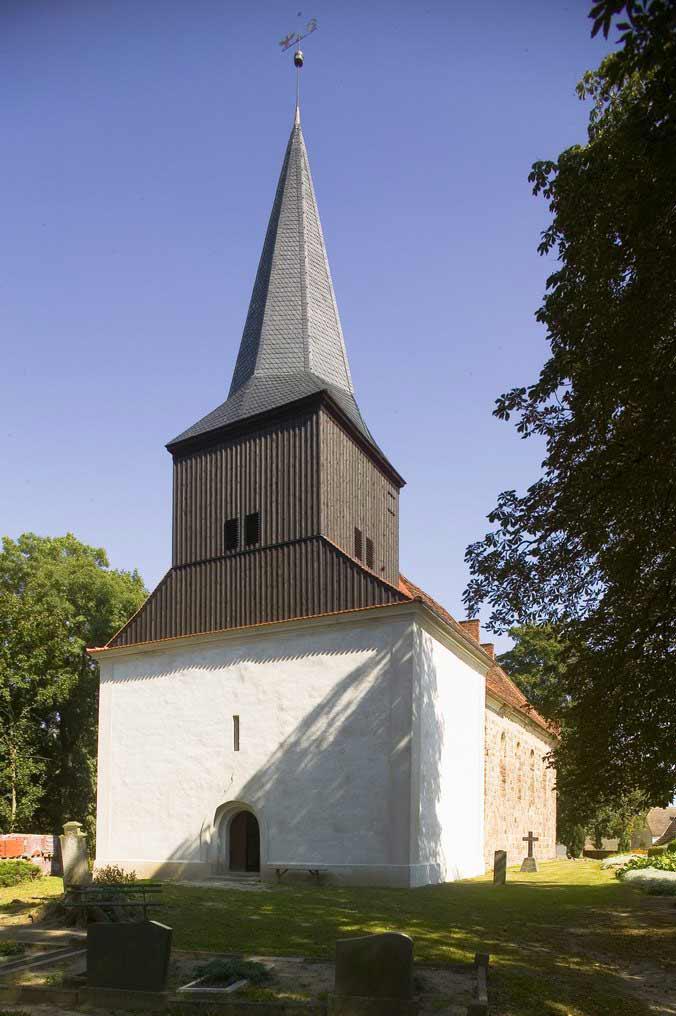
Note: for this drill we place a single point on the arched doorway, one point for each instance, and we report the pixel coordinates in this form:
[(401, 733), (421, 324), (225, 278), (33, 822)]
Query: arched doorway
[(244, 842)]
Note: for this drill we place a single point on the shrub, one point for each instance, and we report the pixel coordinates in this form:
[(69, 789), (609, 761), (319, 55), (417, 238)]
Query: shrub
[(671, 847), (223, 971), (112, 874), (575, 841), (662, 862), (9, 948), (15, 872), (624, 842), (661, 889), (656, 851)]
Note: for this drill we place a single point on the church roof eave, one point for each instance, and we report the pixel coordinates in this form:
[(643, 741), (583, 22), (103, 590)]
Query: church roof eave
[(194, 439)]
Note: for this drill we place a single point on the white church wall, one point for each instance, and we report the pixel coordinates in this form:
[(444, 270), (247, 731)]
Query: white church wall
[(447, 792), (324, 759)]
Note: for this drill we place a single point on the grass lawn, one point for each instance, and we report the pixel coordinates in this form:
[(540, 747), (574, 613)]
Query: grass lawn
[(569, 941), (29, 894)]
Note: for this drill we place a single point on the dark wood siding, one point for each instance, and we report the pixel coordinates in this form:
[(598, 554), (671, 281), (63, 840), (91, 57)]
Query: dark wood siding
[(298, 579), (273, 471), (355, 494)]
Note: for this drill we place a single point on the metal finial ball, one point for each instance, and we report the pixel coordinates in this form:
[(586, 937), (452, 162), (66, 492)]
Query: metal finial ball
[(298, 58)]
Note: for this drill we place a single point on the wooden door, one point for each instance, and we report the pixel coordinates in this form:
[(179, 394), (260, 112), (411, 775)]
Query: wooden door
[(244, 843)]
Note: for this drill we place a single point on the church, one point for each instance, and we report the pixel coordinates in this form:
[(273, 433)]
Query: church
[(285, 701)]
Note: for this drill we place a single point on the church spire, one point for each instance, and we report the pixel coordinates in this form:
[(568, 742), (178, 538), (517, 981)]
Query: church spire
[(293, 324), (292, 344)]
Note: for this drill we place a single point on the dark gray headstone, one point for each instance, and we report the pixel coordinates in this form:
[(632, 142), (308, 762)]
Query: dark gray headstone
[(130, 956), (375, 966), (500, 867)]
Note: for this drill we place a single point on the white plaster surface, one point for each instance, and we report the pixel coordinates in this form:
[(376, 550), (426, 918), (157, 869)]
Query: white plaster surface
[(324, 737), (447, 789), (361, 750)]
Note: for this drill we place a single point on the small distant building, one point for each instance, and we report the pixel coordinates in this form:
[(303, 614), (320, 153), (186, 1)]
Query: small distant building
[(660, 826), (658, 829), (285, 696)]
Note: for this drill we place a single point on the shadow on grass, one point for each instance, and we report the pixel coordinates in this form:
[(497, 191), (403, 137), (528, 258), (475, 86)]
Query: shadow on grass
[(558, 949)]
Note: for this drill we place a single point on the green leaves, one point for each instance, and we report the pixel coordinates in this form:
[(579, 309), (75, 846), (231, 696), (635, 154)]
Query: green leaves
[(538, 662), (57, 597), (589, 548)]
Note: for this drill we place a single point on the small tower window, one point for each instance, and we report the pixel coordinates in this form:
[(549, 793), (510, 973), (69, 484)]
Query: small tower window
[(252, 529), (369, 552), (235, 733), (232, 534), (358, 549)]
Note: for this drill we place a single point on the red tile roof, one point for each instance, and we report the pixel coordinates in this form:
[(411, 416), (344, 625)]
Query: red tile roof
[(498, 683)]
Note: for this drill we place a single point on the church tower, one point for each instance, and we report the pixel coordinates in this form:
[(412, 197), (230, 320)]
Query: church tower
[(284, 505), (285, 703)]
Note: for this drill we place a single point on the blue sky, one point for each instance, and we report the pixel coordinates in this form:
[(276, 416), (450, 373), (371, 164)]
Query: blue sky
[(141, 147)]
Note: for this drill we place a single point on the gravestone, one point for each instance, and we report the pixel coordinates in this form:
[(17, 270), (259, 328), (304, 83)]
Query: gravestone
[(74, 855), (128, 957), (374, 976), (529, 863), (499, 867)]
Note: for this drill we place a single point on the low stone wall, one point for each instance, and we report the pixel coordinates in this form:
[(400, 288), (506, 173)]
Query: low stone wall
[(40, 849)]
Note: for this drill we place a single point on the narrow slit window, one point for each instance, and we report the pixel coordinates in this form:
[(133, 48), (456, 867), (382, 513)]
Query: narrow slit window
[(235, 733), (232, 534), (369, 552), (252, 529), (358, 549)]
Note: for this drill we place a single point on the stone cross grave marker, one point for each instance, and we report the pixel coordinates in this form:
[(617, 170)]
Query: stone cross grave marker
[(529, 863), (499, 867), (374, 976)]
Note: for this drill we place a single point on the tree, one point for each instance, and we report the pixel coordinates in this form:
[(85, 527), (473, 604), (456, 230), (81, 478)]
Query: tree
[(537, 663), (589, 548), (57, 597), (618, 821)]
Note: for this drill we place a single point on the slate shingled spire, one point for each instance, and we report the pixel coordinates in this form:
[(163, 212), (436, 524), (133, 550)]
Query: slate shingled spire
[(292, 345)]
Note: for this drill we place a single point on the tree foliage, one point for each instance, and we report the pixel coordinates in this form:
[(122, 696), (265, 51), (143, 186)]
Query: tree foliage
[(618, 821), (589, 548), (537, 662), (57, 597)]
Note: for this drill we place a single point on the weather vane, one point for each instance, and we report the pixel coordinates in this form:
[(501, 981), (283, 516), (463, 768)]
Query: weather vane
[(294, 39)]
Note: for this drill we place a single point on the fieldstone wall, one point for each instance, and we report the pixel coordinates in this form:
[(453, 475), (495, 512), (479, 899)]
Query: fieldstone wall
[(519, 789)]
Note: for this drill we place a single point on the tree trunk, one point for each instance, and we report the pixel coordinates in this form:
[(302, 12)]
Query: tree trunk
[(12, 771)]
